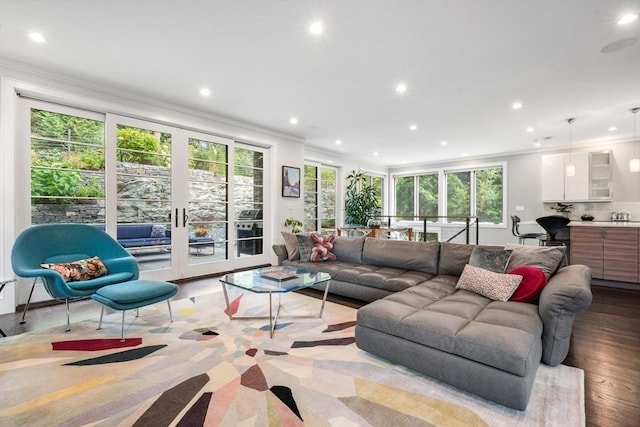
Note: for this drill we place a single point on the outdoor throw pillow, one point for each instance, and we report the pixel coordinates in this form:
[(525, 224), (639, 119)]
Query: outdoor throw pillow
[(533, 281), (84, 269), (490, 259), (322, 248), (158, 231), (547, 258), (305, 246), (496, 286)]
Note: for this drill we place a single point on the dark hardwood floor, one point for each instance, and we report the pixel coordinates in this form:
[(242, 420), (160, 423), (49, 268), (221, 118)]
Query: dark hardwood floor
[(605, 344)]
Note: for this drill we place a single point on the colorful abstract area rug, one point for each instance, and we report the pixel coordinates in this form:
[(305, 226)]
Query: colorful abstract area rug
[(206, 370)]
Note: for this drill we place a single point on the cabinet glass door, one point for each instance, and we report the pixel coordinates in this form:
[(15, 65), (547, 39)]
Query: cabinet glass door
[(600, 176)]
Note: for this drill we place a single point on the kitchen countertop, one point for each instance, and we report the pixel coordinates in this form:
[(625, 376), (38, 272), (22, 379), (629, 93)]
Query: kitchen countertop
[(633, 224)]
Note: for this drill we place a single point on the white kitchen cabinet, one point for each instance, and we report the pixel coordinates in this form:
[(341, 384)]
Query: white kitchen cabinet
[(557, 186)]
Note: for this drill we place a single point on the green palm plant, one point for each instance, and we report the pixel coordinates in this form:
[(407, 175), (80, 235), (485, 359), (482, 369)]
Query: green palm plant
[(361, 199)]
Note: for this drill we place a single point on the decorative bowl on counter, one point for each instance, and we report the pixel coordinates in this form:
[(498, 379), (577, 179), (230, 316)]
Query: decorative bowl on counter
[(587, 217)]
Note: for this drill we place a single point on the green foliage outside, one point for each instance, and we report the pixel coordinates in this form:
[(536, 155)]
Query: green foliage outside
[(208, 156), (489, 195), (404, 195), (142, 147), (428, 195), (361, 199), (62, 147), (458, 193)]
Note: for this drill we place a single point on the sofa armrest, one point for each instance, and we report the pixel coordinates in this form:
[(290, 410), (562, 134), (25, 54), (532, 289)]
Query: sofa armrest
[(567, 293), (281, 252)]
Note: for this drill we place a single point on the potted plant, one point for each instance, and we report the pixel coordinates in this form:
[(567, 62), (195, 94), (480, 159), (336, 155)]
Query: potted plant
[(562, 209), (293, 225), (361, 200)]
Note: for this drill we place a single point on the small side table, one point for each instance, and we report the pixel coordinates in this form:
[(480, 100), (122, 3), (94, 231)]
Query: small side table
[(4, 283)]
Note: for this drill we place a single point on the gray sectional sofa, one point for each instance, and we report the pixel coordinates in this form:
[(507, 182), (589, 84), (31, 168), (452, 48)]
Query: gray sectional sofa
[(417, 318)]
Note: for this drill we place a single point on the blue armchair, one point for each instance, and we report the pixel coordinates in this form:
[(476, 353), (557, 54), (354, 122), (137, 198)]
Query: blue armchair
[(59, 243)]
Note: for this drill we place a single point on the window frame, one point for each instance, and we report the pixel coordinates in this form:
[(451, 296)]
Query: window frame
[(442, 189), (318, 198)]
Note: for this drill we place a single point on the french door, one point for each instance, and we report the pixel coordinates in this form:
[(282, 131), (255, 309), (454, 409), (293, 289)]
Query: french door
[(174, 198)]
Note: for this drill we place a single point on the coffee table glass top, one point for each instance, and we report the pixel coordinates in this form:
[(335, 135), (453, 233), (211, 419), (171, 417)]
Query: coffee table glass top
[(275, 279)]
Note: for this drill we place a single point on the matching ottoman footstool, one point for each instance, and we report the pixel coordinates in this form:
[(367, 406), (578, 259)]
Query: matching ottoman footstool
[(134, 294)]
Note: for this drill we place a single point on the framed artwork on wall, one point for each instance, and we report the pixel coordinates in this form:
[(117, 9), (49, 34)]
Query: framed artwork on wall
[(290, 181)]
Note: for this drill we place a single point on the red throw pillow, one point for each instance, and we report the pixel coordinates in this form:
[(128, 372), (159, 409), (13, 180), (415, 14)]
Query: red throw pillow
[(533, 281)]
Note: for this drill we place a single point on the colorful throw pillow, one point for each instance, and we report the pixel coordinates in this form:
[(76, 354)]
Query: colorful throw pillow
[(533, 281), (496, 286), (322, 248), (305, 246), (84, 269), (547, 258), (490, 259)]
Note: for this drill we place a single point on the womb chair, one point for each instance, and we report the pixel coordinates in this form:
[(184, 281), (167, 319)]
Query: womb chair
[(65, 243)]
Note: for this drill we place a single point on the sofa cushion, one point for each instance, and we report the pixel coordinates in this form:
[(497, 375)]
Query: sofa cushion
[(402, 254), (495, 286), (503, 335), (158, 230), (340, 270), (490, 259), (349, 249), (392, 279), (547, 258), (453, 258), (533, 281)]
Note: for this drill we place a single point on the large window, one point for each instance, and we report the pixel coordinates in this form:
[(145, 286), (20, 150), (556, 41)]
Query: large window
[(470, 192), (477, 192), (320, 198), (426, 189)]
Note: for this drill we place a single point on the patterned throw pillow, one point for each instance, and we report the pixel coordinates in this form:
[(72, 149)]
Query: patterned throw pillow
[(84, 269), (158, 231), (490, 259), (305, 246), (496, 286)]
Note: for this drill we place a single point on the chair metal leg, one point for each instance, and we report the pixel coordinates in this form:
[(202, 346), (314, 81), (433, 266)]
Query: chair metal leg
[(26, 307), (101, 315), (170, 314), (137, 312), (68, 322), (122, 332)]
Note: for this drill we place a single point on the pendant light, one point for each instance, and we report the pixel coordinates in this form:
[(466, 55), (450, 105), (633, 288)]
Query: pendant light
[(571, 168), (634, 164)]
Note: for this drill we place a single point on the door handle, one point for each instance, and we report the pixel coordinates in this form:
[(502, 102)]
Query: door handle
[(176, 217), (185, 217)]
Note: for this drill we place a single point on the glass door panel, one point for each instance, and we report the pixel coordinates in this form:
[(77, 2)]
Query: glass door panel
[(208, 201), (249, 201), (143, 176)]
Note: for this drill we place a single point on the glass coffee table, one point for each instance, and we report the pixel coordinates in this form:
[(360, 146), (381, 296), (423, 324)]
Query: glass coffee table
[(274, 280)]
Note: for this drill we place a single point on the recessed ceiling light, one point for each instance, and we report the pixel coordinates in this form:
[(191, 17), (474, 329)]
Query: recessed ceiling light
[(613, 129), (205, 92), (293, 120), (37, 37), (516, 106), (413, 127), (401, 88), (529, 129), (316, 28), (375, 153), (630, 17), (443, 143), (464, 154), (338, 142), (537, 144)]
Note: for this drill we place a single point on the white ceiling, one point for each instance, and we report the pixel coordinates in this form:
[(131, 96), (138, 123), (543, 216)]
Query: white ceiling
[(464, 62)]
